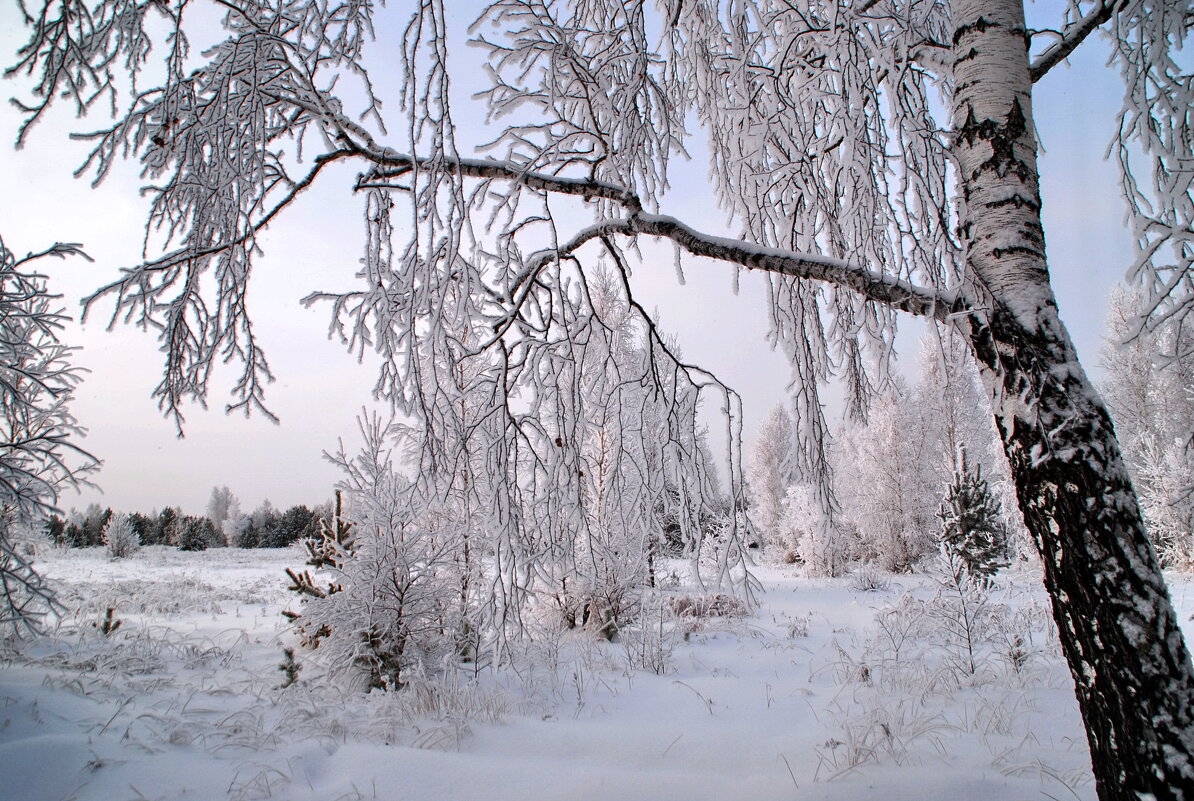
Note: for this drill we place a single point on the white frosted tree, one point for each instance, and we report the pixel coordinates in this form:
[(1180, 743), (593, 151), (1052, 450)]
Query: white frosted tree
[(234, 524), (875, 157), (887, 490), (119, 537), (950, 401), (1149, 389), (822, 545), (219, 506), (770, 474)]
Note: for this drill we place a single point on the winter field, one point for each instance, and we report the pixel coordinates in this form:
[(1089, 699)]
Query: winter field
[(834, 689)]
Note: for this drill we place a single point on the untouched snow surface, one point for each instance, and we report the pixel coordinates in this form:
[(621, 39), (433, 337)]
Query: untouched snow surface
[(820, 695)]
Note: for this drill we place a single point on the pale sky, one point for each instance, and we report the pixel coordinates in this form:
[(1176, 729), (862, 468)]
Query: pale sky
[(316, 245)]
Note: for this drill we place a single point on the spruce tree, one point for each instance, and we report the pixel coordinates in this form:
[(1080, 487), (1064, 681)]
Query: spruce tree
[(971, 524)]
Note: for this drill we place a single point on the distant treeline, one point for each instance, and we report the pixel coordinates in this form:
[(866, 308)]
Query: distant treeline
[(265, 527)]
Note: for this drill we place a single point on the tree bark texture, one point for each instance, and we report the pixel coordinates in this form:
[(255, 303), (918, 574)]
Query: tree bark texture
[(1117, 625)]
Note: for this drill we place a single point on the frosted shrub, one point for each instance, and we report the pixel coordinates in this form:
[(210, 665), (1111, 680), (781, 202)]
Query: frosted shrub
[(119, 537), (705, 606), (605, 589), (649, 644), (868, 579), (602, 602)]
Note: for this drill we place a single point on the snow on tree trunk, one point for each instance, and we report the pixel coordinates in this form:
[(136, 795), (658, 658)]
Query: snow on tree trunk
[(1117, 626)]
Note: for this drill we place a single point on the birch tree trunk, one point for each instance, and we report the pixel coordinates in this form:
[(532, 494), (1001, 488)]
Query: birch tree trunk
[(1118, 628)]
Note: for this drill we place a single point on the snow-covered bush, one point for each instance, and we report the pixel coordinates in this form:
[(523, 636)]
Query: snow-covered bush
[(868, 579), (119, 537), (701, 607), (603, 598), (648, 645)]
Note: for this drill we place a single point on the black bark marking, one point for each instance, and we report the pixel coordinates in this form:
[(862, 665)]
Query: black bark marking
[(1017, 200), (999, 253), (969, 54), (1002, 138), (981, 25)]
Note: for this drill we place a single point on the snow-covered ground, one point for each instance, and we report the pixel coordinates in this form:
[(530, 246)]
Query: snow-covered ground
[(829, 691)]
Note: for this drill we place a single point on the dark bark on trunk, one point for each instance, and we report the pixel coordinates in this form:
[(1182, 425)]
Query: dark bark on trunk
[(1117, 625)]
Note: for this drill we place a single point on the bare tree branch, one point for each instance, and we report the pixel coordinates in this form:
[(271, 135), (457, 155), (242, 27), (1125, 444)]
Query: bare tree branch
[(1072, 36)]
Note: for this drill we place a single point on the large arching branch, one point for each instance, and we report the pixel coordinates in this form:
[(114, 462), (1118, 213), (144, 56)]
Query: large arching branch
[(872, 285)]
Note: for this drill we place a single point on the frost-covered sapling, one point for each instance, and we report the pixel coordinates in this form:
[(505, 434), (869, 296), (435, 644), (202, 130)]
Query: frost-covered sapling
[(109, 624), (290, 668), (962, 615), (648, 644), (119, 537)]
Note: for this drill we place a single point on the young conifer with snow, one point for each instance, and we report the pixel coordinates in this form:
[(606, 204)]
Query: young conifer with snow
[(972, 527)]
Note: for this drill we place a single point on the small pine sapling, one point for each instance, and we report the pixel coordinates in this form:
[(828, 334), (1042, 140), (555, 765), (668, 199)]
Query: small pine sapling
[(332, 549), (109, 624), (290, 668), (334, 541), (971, 524)]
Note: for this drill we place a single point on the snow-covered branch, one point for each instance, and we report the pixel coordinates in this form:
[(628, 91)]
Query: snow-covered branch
[(1072, 36), (870, 284), (398, 166)]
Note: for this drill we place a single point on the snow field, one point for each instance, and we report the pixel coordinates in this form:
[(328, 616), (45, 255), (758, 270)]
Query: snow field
[(827, 692)]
